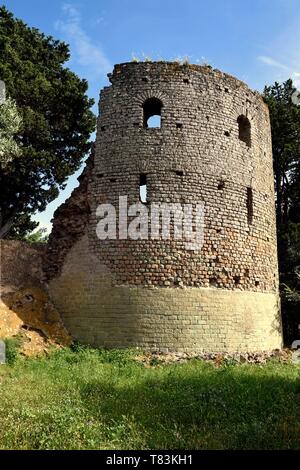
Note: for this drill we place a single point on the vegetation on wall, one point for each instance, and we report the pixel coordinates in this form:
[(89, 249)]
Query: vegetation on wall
[(56, 122), (46, 122)]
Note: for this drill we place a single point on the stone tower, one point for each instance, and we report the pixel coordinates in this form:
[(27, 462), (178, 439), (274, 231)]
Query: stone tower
[(213, 146)]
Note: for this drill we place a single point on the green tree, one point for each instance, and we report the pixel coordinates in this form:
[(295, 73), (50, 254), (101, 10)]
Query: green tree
[(56, 121), (39, 236), (10, 123), (285, 124)]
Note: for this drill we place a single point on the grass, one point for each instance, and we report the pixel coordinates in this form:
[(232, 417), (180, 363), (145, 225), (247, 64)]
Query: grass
[(95, 399)]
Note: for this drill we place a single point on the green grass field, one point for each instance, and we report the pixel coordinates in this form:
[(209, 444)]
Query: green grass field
[(95, 399)]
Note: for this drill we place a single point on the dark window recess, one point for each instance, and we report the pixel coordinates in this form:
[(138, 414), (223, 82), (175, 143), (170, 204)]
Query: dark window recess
[(103, 128), (179, 173), (221, 185), (250, 205), (112, 180), (244, 130), (226, 90), (145, 79), (100, 175), (152, 113), (213, 281), (143, 188), (227, 133), (186, 80), (178, 125), (237, 280)]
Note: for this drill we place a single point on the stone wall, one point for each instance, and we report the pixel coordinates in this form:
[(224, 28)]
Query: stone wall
[(25, 308), (20, 264), (69, 223), (100, 313), (122, 292)]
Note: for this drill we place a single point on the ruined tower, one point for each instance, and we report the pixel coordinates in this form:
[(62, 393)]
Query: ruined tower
[(212, 146)]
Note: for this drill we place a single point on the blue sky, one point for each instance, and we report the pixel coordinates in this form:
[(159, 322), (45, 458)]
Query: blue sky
[(258, 41)]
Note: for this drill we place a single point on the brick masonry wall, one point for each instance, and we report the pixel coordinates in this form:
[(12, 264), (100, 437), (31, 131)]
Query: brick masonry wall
[(69, 222), (196, 156), (98, 312)]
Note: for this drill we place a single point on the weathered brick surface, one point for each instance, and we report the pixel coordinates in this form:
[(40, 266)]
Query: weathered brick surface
[(196, 156), (98, 312), (20, 264), (69, 222)]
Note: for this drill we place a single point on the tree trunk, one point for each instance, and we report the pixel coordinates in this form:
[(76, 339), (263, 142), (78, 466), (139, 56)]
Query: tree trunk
[(5, 228)]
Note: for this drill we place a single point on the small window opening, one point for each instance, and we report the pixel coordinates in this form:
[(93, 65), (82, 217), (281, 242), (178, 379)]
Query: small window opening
[(250, 205), (256, 283), (186, 80), (179, 173), (143, 188), (244, 130), (227, 133), (112, 180), (103, 128), (226, 90), (178, 125), (221, 185), (213, 281), (152, 113), (237, 280), (100, 175)]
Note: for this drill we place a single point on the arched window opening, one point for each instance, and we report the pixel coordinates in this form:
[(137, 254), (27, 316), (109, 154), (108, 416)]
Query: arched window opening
[(143, 188), (244, 130), (152, 113)]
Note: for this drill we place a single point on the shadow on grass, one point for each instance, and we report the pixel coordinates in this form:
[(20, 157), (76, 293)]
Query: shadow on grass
[(192, 407)]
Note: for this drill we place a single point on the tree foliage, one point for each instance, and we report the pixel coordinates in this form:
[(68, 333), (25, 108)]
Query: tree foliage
[(285, 124), (38, 236), (10, 123), (56, 121)]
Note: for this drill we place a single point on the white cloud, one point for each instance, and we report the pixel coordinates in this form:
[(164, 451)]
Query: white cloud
[(270, 61), (295, 76), (85, 51)]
